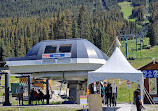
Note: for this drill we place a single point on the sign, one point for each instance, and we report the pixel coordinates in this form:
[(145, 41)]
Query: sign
[(56, 55), (46, 61), (150, 73), (63, 60), (83, 100), (128, 84), (155, 99), (94, 86)]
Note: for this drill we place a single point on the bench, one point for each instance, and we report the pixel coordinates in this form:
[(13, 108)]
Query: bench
[(40, 98)]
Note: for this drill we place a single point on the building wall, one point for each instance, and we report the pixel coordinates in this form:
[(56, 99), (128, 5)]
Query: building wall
[(150, 66)]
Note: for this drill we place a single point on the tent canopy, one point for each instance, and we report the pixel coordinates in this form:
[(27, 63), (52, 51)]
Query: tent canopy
[(117, 66)]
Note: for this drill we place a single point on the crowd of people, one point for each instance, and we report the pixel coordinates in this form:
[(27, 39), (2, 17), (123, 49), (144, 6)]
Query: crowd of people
[(34, 95), (109, 94)]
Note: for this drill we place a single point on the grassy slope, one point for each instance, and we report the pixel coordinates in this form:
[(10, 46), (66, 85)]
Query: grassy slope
[(147, 55), (126, 8)]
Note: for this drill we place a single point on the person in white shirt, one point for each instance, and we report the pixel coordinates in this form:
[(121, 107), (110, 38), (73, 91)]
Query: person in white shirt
[(114, 93), (20, 94)]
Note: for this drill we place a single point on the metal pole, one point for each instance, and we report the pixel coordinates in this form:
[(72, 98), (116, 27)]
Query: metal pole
[(7, 102), (126, 47), (47, 90), (29, 89), (129, 96), (137, 46), (140, 47)]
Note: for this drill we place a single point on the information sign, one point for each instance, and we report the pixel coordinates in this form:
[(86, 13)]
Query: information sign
[(83, 100), (150, 73), (94, 86), (56, 55), (128, 84)]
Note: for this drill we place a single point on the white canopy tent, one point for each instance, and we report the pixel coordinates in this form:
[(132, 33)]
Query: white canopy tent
[(118, 67)]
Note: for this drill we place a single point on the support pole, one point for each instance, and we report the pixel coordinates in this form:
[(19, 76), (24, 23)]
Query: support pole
[(7, 102), (140, 46), (126, 47), (137, 46), (142, 94), (29, 89), (47, 90)]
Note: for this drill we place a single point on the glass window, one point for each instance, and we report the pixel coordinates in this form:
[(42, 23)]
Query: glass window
[(65, 48), (50, 49), (152, 86)]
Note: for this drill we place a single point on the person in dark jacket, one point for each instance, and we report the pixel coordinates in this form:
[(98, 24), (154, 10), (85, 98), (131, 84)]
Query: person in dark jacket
[(41, 95), (138, 101), (108, 92)]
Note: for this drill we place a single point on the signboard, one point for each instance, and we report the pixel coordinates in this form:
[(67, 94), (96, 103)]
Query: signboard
[(48, 61), (128, 84), (94, 86), (155, 99), (56, 55), (150, 73), (63, 60), (83, 100)]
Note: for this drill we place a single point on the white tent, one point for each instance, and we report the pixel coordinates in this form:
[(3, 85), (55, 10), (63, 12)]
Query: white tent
[(118, 67)]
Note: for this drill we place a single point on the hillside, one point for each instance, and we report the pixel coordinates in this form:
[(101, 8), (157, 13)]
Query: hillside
[(28, 8), (126, 8)]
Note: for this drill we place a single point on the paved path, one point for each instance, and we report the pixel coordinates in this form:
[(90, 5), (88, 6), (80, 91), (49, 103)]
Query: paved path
[(120, 107)]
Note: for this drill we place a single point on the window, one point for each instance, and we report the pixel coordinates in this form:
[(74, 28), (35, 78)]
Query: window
[(50, 49), (152, 86), (65, 48)]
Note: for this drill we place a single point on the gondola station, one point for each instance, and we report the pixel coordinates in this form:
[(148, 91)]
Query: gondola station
[(66, 60), (76, 62)]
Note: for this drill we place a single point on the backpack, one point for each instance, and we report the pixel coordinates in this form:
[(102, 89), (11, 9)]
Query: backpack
[(108, 90)]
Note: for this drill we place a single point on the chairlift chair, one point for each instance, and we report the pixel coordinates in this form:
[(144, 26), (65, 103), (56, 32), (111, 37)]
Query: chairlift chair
[(63, 96)]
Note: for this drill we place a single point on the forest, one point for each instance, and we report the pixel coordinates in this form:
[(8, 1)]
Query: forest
[(23, 23)]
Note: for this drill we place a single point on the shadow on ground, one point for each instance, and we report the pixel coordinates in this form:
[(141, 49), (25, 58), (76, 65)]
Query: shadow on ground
[(110, 108), (106, 109)]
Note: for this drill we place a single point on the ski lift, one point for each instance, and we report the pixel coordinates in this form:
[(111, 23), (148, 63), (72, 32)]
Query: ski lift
[(37, 82), (0, 81), (61, 86)]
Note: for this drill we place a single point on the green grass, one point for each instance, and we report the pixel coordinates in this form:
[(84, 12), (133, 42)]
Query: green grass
[(126, 8), (147, 54), (123, 92)]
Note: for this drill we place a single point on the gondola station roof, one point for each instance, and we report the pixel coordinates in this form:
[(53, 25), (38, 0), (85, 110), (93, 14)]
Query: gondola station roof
[(57, 56), (79, 48)]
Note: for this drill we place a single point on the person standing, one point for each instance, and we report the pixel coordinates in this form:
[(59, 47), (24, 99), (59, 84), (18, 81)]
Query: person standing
[(41, 95), (104, 94), (138, 101), (114, 93), (108, 92), (20, 94)]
